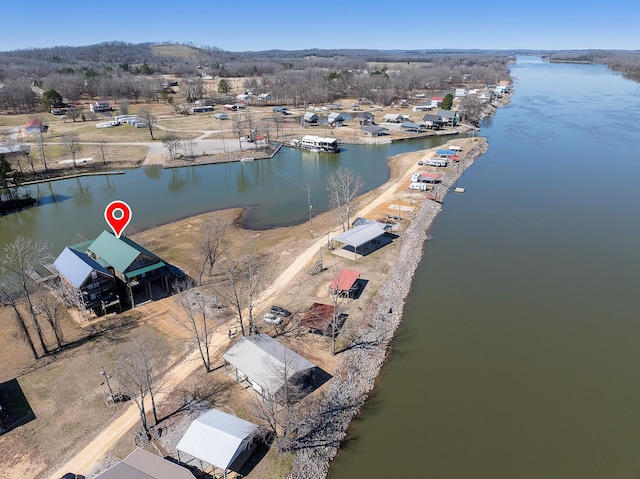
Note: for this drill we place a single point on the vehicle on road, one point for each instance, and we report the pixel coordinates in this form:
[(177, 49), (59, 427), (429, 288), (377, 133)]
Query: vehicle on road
[(272, 318), (280, 311)]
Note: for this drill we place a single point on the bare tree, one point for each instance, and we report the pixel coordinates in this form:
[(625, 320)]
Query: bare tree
[(71, 142), (172, 143), (198, 318), (104, 149), (149, 119), (209, 242), (336, 300), (472, 109), (52, 310), (277, 411), (18, 261), (74, 113), (246, 276), (343, 186), (187, 148), (123, 107), (238, 126), (10, 292), (41, 145), (139, 372)]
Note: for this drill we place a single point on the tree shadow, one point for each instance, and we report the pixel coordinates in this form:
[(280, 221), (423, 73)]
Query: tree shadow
[(196, 399)]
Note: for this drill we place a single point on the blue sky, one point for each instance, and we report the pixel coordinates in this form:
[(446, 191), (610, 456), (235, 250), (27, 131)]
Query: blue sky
[(290, 25)]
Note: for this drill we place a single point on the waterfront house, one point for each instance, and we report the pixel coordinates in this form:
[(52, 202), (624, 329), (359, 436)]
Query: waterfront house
[(365, 118), (374, 130), (268, 365), (140, 274), (432, 121), (91, 283), (449, 117), (219, 439)]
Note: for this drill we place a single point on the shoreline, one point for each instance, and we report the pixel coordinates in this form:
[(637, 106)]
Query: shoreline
[(230, 157), (360, 365)]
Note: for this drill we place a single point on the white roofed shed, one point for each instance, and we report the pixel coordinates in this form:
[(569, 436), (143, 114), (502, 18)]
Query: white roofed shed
[(219, 439)]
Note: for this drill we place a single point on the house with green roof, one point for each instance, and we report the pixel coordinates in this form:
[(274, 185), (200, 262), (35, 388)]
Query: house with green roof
[(138, 269)]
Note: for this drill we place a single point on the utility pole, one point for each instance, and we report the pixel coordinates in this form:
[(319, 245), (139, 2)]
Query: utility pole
[(106, 377), (310, 207)]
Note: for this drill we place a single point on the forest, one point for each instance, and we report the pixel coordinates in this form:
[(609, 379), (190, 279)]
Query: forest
[(625, 62), (117, 70)]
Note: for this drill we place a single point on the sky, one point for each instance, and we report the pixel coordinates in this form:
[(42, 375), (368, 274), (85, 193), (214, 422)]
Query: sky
[(252, 25)]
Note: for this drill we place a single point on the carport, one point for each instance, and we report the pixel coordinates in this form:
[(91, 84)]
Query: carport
[(364, 237)]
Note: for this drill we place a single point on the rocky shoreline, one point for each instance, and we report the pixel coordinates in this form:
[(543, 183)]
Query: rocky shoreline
[(320, 435)]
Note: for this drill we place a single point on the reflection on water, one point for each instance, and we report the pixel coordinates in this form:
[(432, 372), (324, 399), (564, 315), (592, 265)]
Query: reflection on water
[(275, 190)]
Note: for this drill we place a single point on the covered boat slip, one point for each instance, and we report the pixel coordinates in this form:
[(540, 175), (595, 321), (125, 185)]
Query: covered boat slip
[(361, 240), (219, 439), (346, 282)]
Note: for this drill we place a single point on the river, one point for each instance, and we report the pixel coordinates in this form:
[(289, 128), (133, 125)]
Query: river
[(518, 354)]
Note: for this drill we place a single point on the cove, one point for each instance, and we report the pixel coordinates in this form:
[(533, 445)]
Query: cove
[(274, 192)]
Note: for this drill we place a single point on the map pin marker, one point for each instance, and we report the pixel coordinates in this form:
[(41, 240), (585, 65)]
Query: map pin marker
[(117, 214)]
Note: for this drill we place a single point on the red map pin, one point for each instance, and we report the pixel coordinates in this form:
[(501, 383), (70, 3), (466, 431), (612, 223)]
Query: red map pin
[(117, 214)]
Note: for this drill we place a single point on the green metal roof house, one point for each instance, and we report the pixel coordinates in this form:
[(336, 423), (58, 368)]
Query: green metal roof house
[(137, 267)]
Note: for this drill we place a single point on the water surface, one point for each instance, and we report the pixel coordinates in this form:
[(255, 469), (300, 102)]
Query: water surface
[(518, 355)]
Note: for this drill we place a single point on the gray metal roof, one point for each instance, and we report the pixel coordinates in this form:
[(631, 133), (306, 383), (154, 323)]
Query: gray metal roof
[(217, 438), (374, 129), (361, 234), (76, 266), (265, 361), (141, 464)]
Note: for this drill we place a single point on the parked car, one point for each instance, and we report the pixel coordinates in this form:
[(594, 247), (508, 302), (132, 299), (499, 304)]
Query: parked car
[(272, 318), (279, 310)]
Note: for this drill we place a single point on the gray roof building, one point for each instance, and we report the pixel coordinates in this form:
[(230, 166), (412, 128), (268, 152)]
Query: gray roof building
[(267, 364), (141, 464)]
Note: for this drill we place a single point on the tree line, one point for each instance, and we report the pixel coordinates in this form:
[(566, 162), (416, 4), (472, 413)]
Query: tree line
[(119, 70)]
